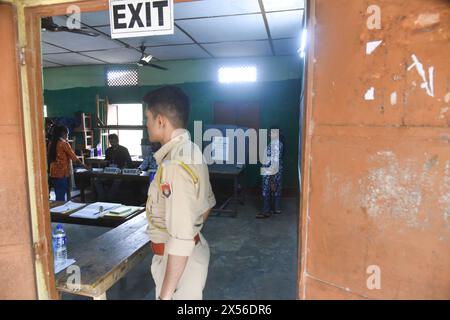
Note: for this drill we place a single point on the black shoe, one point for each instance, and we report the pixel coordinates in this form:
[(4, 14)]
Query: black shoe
[(262, 215), (277, 212)]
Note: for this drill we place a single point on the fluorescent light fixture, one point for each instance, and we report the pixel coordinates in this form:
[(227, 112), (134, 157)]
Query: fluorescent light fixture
[(276, 5), (303, 41), (237, 74)]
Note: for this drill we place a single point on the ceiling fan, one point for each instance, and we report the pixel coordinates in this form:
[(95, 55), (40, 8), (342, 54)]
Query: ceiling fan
[(47, 24), (146, 58)]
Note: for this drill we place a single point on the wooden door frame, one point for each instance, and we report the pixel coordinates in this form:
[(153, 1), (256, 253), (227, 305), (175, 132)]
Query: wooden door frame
[(30, 13), (305, 145)]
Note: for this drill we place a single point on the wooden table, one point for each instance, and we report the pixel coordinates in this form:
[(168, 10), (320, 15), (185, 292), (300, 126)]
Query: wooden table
[(105, 221), (84, 179), (106, 259), (227, 172)]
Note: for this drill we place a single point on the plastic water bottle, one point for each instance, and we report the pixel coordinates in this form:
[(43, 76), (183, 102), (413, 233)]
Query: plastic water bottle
[(92, 154), (60, 245), (99, 149)]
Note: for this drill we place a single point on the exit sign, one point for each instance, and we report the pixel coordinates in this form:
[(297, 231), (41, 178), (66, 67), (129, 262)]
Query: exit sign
[(139, 18)]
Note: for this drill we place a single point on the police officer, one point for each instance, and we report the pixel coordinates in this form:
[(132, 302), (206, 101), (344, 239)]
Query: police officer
[(179, 199)]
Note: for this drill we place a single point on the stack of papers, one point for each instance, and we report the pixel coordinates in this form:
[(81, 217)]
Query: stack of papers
[(95, 210), (67, 207)]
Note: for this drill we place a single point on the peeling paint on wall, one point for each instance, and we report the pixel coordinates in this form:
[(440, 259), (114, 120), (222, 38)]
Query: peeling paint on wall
[(372, 45), (443, 112), (427, 20), (444, 199), (428, 84), (370, 94), (447, 98), (392, 190), (394, 98)]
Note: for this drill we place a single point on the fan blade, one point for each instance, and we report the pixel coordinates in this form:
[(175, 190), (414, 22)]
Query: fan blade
[(156, 66)]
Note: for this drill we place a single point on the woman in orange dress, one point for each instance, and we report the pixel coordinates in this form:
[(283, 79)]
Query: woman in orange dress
[(59, 155)]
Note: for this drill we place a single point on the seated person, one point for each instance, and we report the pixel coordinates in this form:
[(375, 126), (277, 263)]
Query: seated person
[(115, 156), (147, 153)]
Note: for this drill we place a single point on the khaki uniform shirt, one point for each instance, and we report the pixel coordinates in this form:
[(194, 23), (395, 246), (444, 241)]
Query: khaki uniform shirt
[(179, 195)]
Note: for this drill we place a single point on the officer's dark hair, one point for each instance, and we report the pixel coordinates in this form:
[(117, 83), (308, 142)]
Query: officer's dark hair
[(171, 102), (113, 136)]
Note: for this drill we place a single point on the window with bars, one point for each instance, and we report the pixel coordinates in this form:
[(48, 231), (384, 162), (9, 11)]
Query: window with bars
[(122, 77)]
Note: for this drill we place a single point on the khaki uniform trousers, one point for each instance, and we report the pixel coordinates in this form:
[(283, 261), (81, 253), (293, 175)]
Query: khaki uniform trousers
[(192, 282)]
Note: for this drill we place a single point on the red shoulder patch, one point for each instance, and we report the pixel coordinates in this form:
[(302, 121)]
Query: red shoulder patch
[(166, 189)]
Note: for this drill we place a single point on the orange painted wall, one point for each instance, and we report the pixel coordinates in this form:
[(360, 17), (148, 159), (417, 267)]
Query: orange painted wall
[(376, 175), (17, 276)]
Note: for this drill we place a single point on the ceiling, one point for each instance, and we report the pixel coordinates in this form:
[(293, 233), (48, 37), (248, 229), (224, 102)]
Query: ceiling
[(203, 29)]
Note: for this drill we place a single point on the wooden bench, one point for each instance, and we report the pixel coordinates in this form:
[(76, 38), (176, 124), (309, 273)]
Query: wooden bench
[(106, 259)]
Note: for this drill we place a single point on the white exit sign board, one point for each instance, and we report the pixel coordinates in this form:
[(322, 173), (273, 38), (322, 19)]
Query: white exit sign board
[(140, 18)]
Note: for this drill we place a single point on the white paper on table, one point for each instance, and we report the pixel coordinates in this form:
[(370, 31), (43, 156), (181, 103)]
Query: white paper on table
[(68, 206), (92, 211), (61, 266)]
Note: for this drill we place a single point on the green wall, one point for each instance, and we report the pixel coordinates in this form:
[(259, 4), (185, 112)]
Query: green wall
[(180, 71), (72, 89)]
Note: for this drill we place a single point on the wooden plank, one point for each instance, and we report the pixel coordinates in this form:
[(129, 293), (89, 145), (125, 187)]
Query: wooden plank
[(106, 259), (32, 88), (101, 297)]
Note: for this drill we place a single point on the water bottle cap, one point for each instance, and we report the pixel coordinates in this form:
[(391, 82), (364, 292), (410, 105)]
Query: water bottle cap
[(59, 226)]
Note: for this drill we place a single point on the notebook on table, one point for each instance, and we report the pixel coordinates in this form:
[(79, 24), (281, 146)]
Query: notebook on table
[(95, 210), (123, 211)]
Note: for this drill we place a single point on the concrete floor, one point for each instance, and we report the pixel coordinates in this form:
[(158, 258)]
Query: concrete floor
[(251, 258)]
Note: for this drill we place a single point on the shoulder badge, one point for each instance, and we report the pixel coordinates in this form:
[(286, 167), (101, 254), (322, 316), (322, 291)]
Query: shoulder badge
[(166, 189)]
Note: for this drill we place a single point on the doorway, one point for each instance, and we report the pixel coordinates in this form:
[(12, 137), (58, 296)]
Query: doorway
[(34, 72)]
